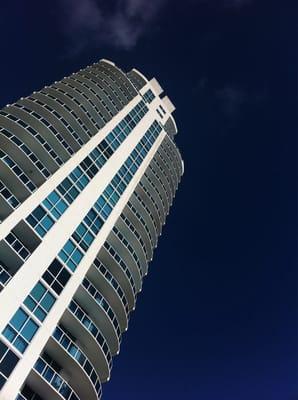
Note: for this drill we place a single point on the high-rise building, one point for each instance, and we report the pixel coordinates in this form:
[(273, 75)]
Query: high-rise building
[(88, 172)]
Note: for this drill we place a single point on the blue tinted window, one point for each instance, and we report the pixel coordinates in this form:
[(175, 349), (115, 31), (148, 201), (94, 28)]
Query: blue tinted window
[(38, 291), (69, 247), (29, 330), (18, 319), (77, 256), (20, 344), (9, 333), (48, 301), (40, 314), (47, 222)]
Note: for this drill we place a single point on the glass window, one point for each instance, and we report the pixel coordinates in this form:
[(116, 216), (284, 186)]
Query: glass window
[(77, 256), (47, 222), (9, 333), (18, 319), (40, 314), (29, 330), (38, 291), (38, 213), (8, 363), (47, 301), (69, 247)]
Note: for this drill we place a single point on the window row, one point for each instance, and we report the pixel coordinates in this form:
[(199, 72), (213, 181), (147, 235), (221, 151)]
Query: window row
[(142, 221), (110, 278), (24, 324), (101, 68), (157, 176), (136, 233), (128, 246), (52, 94), (28, 394), (12, 165), (152, 199), (27, 151), (101, 301), (157, 190), (85, 320), (148, 96), (17, 245), (48, 125), (47, 368), (46, 214), (63, 337), (148, 211), (98, 124), (113, 253), (8, 196), (74, 249), (34, 133), (60, 118), (8, 361)]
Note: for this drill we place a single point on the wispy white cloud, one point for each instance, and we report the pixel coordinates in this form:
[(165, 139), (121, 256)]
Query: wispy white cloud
[(117, 23)]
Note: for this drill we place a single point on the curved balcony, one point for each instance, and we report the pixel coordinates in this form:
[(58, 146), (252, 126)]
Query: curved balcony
[(93, 82), (170, 165), (176, 156), (170, 127), (106, 283), (137, 78), (155, 177), (139, 208), (33, 120), (167, 166), (121, 274), (160, 175), (49, 383), (80, 324), (121, 84), (27, 394), (105, 75), (128, 230), (101, 313), (126, 256), (136, 220), (13, 183), (82, 375), (76, 81), (153, 192), (165, 171), (62, 93), (28, 137), (25, 163), (143, 211), (127, 86), (150, 205), (53, 121), (173, 163), (62, 110)]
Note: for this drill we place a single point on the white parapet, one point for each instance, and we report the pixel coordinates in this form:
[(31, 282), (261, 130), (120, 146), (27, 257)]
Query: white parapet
[(156, 86), (168, 104)]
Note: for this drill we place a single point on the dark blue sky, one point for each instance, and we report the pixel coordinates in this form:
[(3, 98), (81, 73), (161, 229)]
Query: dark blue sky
[(217, 317)]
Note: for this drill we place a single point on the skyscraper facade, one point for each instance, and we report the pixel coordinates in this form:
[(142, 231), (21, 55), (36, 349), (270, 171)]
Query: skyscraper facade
[(88, 171)]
